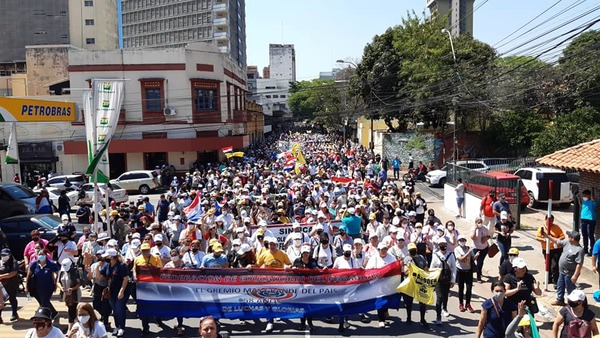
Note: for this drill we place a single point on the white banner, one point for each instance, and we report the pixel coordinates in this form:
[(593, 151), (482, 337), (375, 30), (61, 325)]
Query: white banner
[(12, 151)]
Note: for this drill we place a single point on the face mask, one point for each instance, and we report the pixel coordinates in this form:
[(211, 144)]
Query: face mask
[(451, 227), (347, 254), (585, 198), (443, 248), (83, 319), (224, 213), (418, 230), (462, 243), (42, 258), (499, 295), (175, 259), (479, 225), (159, 244), (190, 226), (35, 239), (65, 222), (297, 242), (194, 250), (39, 325), (5, 258), (64, 241), (107, 260), (573, 304), (412, 252), (240, 235), (324, 242)]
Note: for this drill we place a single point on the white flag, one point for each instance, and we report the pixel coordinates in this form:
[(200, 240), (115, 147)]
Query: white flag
[(12, 151)]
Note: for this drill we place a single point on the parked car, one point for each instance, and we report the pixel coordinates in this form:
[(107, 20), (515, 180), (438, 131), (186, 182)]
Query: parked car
[(16, 231), (54, 194), (474, 165), (437, 177), (138, 180), (119, 194), (59, 181), (574, 180), (496, 164), (536, 181), (481, 184), (16, 199)]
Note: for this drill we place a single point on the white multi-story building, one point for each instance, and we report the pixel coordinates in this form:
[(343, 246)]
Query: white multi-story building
[(282, 62), (460, 14)]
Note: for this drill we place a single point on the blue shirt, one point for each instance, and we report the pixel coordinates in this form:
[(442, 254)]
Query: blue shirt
[(44, 275), (588, 209), (396, 164), (210, 261), (596, 251), (352, 224), (497, 322), (149, 208)]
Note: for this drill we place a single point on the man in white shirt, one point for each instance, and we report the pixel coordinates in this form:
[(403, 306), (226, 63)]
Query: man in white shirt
[(378, 261), (460, 196), (193, 258), (160, 249), (66, 248)]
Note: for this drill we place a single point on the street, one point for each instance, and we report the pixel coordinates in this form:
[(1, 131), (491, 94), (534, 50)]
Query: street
[(457, 324)]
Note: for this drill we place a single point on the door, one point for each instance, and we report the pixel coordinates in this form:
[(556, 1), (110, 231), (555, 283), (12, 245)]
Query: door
[(151, 160), (118, 164)]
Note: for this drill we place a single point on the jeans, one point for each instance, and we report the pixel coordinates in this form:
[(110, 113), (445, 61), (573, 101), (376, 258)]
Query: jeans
[(442, 290), (396, 173), (564, 281), (14, 304), (465, 278), (99, 304), (482, 255), (503, 247), (587, 230), (119, 308)]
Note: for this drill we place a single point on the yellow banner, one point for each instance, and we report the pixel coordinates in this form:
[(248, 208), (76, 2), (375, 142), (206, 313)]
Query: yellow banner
[(420, 284), (29, 110), (297, 152), (238, 154)]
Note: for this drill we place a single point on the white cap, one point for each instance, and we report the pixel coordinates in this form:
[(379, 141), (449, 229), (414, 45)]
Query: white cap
[(110, 253), (236, 242), (295, 225), (65, 264), (239, 229), (297, 235), (412, 214), (519, 262), (246, 219), (262, 223), (347, 247), (576, 295), (136, 235), (305, 248), (171, 213), (319, 226), (140, 197), (441, 240), (135, 243), (382, 245), (177, 217), (358, 241), (103, 236), (504, 215), (244, 248), (64, 217), (271, 240), (351, 211), (158, 238), (112, 242), (461, 237)]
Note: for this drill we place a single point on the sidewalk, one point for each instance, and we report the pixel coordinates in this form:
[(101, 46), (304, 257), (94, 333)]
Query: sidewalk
[(529, 249)]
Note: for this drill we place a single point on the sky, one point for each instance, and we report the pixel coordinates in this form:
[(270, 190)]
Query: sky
[(324, 31)]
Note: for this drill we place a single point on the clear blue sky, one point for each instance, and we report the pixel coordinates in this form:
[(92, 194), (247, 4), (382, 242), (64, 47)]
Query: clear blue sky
[(324, 31)]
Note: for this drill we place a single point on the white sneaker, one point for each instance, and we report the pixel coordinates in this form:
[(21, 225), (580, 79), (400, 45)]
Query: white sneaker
[(445, 313), (346, 324), (381, 324), (120, 333), (269, 328)]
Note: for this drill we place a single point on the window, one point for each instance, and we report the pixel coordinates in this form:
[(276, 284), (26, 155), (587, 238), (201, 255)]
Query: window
[(88, 3), (89, 22), (205, 99), (90, 41), (152, 96)]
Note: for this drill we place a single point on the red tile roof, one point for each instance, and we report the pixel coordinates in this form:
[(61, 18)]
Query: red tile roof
[(582, 157)]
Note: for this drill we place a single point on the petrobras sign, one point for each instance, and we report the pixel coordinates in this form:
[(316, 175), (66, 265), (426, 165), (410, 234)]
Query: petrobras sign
[(265, 293), (29, 110)]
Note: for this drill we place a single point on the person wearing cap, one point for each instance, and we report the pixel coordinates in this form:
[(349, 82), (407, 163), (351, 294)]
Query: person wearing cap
[(446, 261), (41, 276), (30, 252), (555, 251), (245, 257), (215, 259), (146, 259), (232, 252), (42, 325), (9, 277), (175, 228), (99, 283), (503, 230), (67, 226), (160, 249), (324, 253), (577, 307), (464, 273), (294, 250), (305, 261), (175, 262), (520, 283), (192, 231), (501, 205), (486, 210), (296, 229), (569, 264), (507, 267), (352, 223), (340, 240), (69, 284), (346, 261), (377, 261), (520, 326), (193, 257)]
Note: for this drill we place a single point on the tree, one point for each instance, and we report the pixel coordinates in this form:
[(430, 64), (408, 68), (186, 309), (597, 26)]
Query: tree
[(512, 133), (323, 101), (567, 130)]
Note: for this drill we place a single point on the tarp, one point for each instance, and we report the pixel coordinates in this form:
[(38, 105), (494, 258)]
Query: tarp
[(265, 293), (420, 284)]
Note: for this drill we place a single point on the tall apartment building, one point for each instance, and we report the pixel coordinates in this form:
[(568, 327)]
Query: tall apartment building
[(460, 20), (282, 62), (93, 25), (175, 23)]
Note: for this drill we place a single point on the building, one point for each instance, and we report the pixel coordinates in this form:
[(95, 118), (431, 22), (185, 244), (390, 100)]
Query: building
[(86, 24), (181, 105), (282, 62), (332, 75), (175, 23), (460, 14), (252, 75)]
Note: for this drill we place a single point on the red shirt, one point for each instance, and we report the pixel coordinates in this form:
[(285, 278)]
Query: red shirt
[(486, 206)]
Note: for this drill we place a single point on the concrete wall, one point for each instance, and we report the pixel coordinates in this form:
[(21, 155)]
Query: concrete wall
[(135, 161), (104, 30), (46, 65), (187, 156)]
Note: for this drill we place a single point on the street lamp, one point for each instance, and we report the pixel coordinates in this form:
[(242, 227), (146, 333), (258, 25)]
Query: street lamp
[(348, 62), (445, 31), (454, 102)]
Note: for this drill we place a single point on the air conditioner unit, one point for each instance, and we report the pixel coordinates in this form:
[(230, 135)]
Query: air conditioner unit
[(58, 146), (169, 111)]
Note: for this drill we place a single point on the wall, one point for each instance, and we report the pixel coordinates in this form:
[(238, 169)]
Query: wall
[(135, 161), (104, 30), (46, 65), (400, 145), (189, 157)]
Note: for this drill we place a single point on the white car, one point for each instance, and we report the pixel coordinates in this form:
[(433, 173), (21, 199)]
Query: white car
[(536, 181), (54, 194), (138, 180), (474, 165), (437, 177), (119, 194), (59, 181)]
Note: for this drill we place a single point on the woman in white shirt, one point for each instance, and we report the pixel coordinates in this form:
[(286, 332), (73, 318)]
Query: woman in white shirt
[(376, 262), (87, 325), (324, 254)]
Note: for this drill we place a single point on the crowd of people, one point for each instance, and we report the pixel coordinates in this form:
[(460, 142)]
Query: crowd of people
[(380, 221)]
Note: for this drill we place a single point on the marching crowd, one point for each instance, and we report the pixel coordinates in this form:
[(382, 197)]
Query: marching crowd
[(380, 221)]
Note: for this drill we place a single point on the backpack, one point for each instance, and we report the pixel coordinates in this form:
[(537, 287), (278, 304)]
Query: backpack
[(578, 328), (446, 274)]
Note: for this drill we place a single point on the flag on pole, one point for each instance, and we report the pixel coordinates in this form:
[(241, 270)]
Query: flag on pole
[(290, 164), (227, 150), (107, 96), (297, 152), (194, 210), (12, 151), (238, 154)]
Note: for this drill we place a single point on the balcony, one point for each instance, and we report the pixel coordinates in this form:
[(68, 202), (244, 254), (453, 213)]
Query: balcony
[(221, 36), (222, 22), (220, 8), (224, 49)]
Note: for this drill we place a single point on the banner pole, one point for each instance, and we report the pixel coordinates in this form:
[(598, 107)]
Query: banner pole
[(548, 225)]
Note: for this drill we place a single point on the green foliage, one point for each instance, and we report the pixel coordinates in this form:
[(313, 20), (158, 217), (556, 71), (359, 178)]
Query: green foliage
[(580, 125), (512, 133), (416, 142), (322, 101)]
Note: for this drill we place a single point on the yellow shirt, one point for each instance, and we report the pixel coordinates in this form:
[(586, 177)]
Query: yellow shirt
[(555, 231), (153, 260), (273, 260)]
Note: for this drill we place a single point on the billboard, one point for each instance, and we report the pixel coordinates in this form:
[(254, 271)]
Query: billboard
[(30, 110)]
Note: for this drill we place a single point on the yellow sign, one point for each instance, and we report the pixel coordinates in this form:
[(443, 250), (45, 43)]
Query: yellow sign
[(420, 284), (29, 110)]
